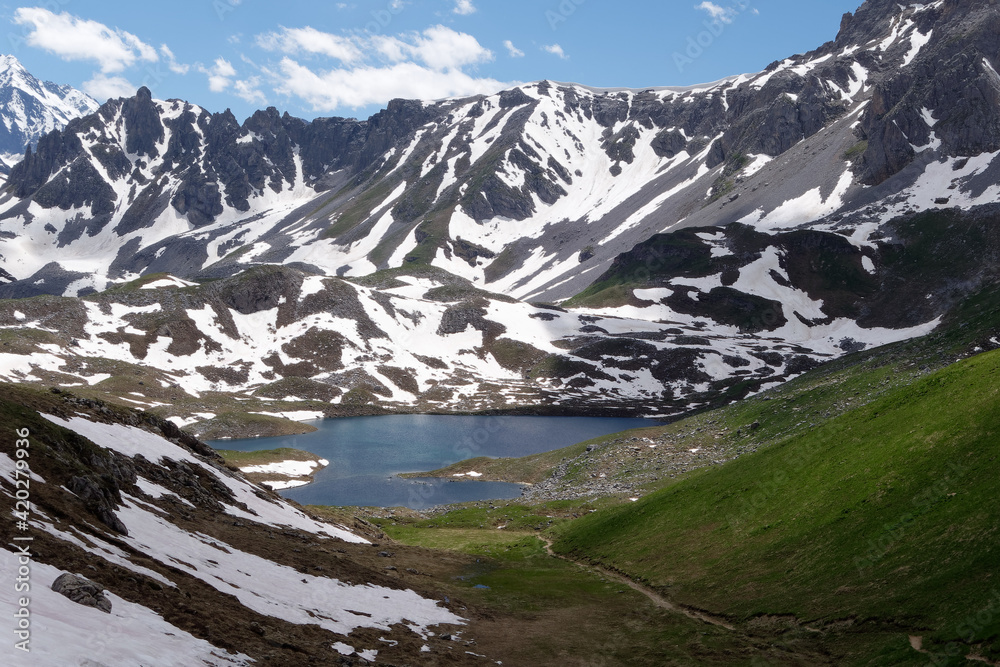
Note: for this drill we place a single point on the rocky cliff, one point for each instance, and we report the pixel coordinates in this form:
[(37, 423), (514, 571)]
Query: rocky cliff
[(531, 192)]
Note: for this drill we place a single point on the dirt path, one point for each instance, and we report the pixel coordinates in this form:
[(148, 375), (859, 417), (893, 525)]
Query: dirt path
[(653, 596)]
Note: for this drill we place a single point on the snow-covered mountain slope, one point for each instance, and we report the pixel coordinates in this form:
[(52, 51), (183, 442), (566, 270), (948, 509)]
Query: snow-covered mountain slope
[(144, 185), (531, 192), (201, 566), (30, 109), (275, 341)]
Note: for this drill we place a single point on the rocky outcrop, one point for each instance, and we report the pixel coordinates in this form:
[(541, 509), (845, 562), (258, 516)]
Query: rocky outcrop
[(82, 591), (143, 128), (952, 79), (100, 496), (920, 268)]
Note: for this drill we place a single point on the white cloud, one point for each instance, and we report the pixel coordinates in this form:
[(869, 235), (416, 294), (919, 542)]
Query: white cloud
[(438, 47), (555, 50), (724, 14), (310, 40), (374, 69), (388, 48), (249, 91), (443, 48), (172, 63), (464, 7), (365, 85), (513, 50), (220, 74), (103, 87), (73, 38)]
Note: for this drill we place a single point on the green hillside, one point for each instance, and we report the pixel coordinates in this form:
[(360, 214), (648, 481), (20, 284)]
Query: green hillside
[(876, 525)]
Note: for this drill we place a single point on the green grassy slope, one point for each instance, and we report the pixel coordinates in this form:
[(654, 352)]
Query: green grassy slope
[(882, 521)]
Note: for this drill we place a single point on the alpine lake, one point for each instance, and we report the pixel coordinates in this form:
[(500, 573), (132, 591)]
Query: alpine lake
[(367, 455)]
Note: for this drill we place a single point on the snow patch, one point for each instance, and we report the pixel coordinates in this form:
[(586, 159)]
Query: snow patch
[(289, 468), (130, 635), (807, 207), (917, 42), (130, 441)]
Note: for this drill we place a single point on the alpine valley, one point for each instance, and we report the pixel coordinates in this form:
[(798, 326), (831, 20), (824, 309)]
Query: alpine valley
[(796, 268)]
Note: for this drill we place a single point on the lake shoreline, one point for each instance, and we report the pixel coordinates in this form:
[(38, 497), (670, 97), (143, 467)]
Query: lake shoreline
[(375, 460), (265, 425)]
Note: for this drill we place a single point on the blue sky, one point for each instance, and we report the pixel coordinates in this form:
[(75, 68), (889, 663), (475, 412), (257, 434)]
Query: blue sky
[(349, 58)]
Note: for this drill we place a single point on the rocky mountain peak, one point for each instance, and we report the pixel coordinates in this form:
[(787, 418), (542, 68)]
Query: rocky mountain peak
[(142, 124), (30, 108), (872, 19)]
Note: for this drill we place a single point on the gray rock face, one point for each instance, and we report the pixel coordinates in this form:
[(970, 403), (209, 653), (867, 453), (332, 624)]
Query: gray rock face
[(952, 76), (543, 170), (99, 499), (237, 159), (142, 124), (82, 591)]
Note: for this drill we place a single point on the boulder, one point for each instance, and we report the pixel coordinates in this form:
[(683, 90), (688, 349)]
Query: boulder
[(82, 591)]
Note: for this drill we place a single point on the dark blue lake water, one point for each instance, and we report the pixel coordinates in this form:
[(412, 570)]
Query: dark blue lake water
[(366, 454)]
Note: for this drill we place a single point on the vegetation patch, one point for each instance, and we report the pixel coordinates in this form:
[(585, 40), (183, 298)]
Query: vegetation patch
[(854, 153), (515, 355), (882, 513)]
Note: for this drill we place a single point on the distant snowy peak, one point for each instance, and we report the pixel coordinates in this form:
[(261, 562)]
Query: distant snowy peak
[(30, 108)]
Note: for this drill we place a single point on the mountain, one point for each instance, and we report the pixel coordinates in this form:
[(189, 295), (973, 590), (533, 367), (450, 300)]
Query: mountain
[(30, 109), (531, 192), (204, 255), (551, 249)]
